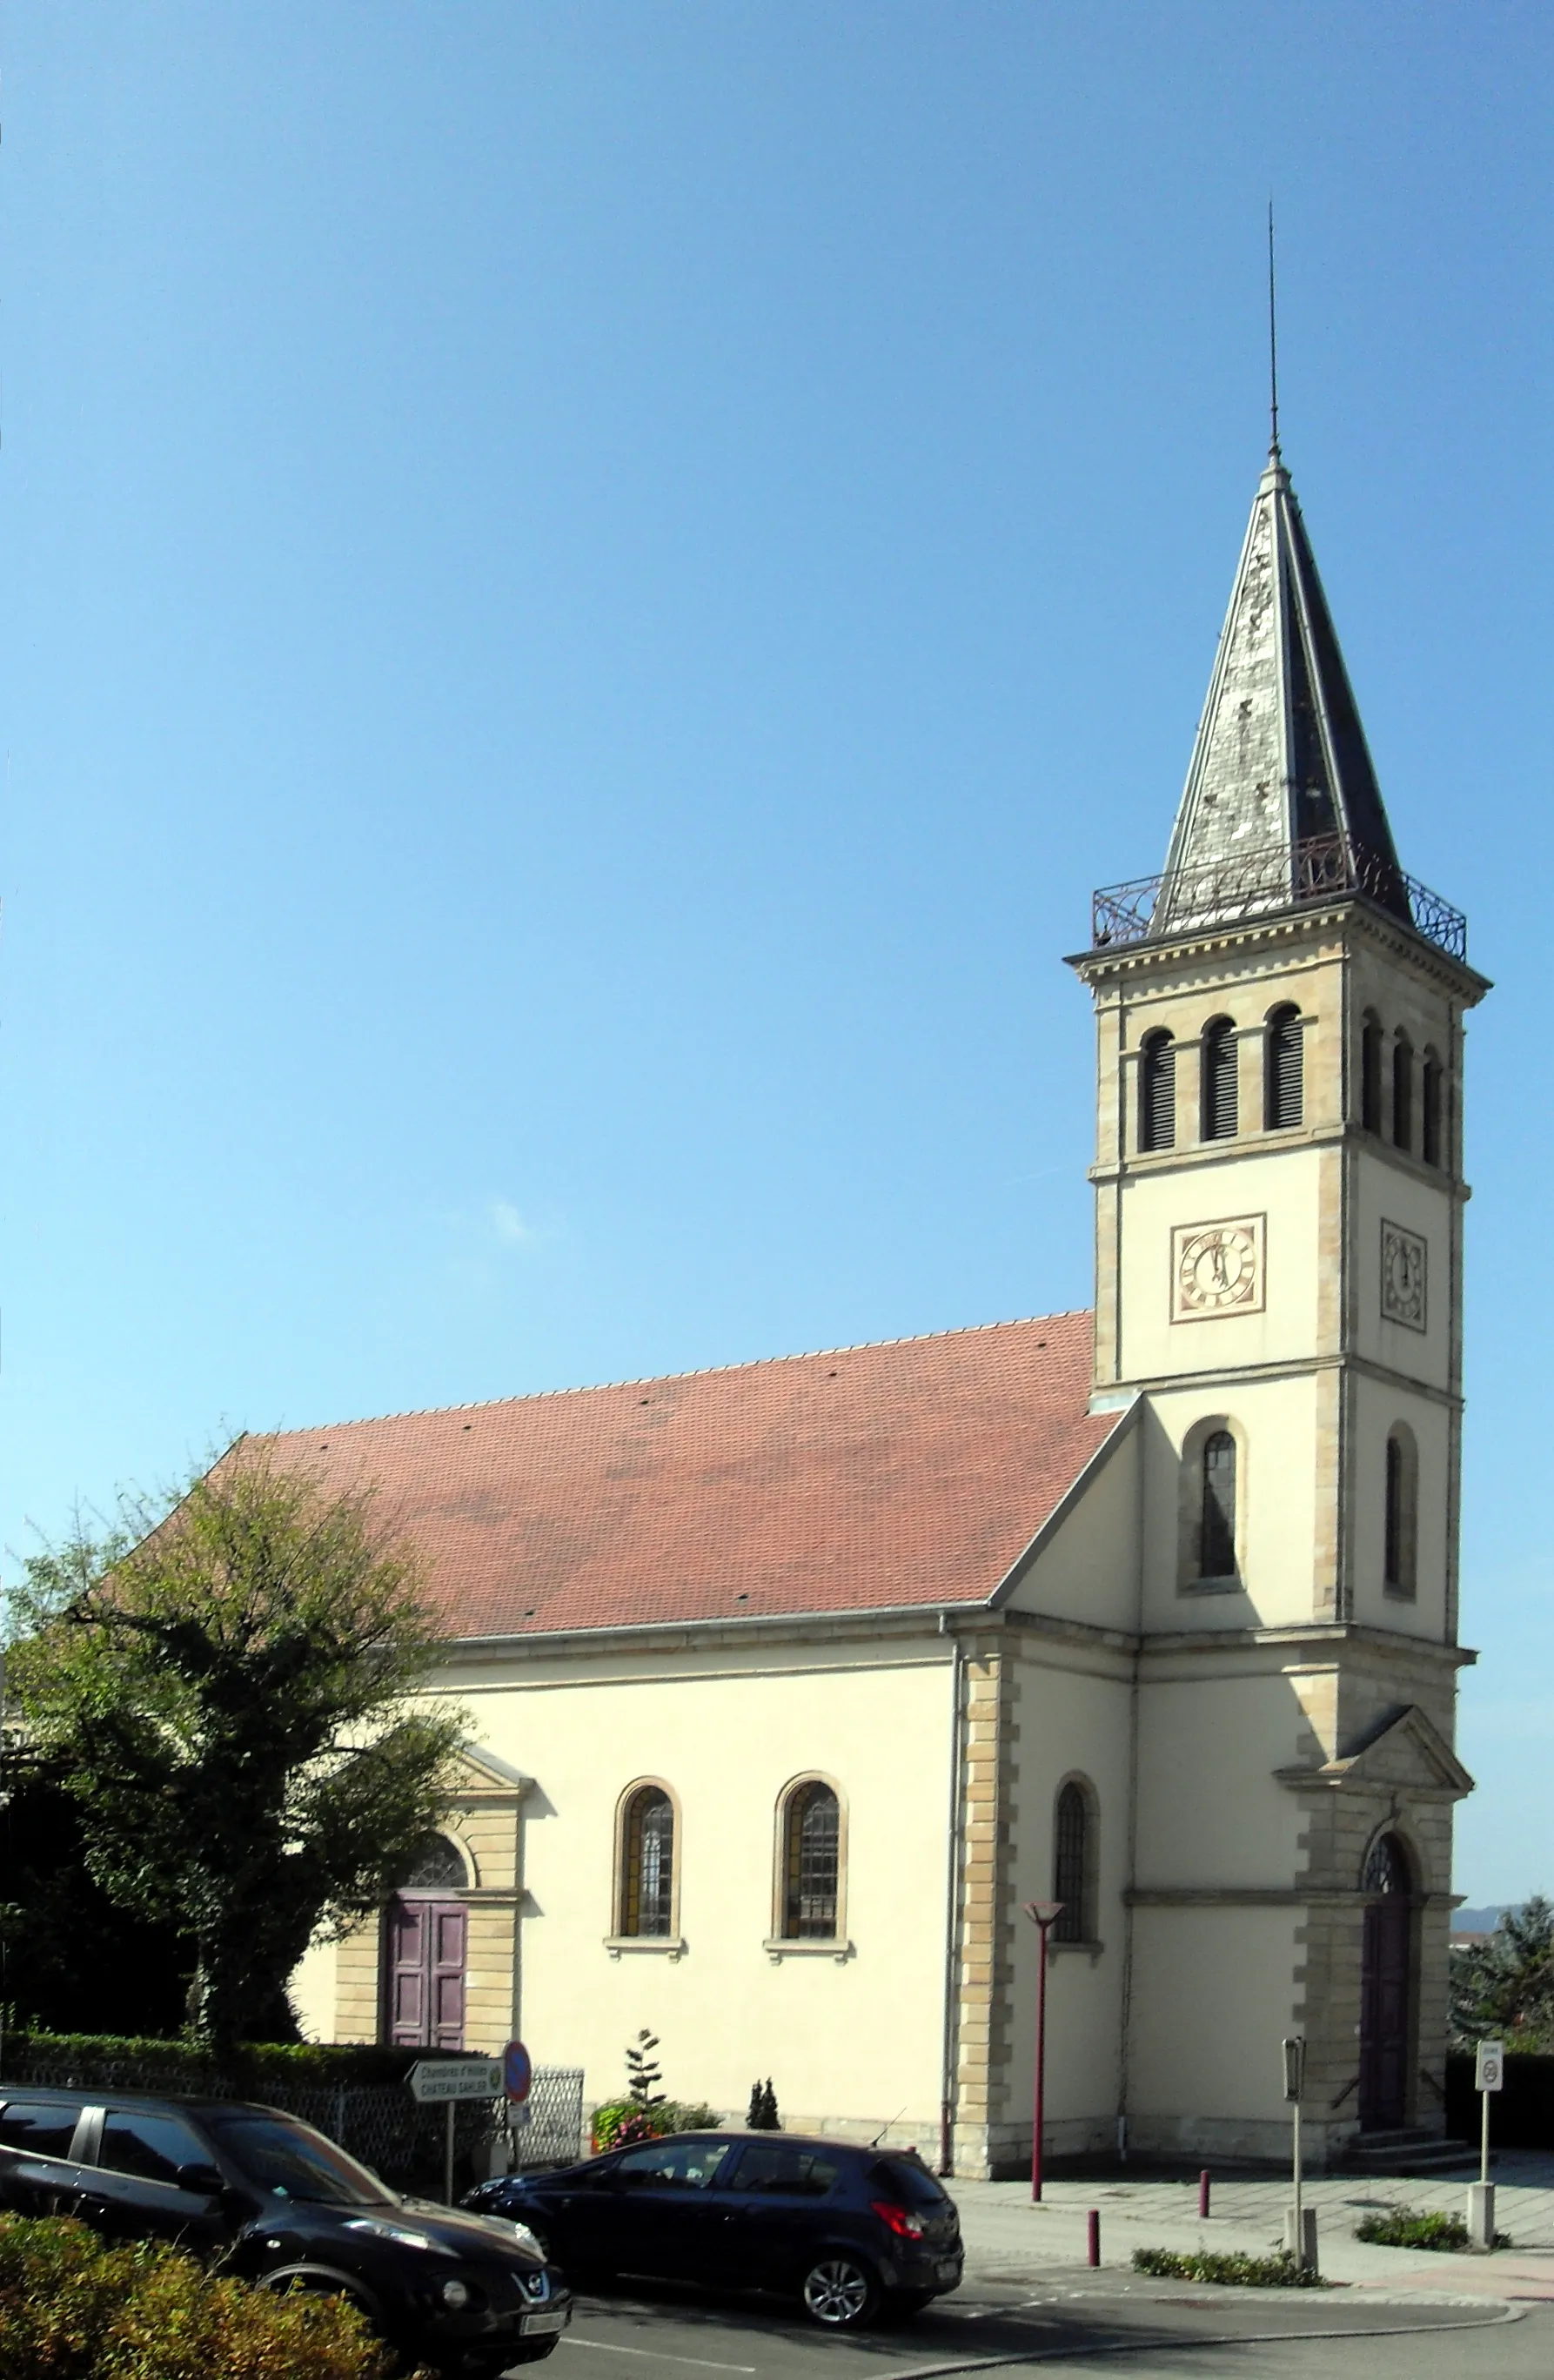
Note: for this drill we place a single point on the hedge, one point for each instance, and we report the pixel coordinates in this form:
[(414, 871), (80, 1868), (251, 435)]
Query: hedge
[(303, 2064), (74, 2309), (1522, 2116)]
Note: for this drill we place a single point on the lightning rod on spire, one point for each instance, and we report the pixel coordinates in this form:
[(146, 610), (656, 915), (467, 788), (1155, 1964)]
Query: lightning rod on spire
[(1273, 347)]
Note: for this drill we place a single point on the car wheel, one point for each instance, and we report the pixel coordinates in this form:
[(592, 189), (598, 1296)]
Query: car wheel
[(839, 2292)]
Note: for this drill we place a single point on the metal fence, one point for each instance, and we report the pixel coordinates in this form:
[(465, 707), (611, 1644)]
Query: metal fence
[(381, 2123)]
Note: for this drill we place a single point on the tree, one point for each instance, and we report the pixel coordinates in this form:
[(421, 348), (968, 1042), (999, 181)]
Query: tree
[(226, 1698), (1503, 1988), (641, 2073)]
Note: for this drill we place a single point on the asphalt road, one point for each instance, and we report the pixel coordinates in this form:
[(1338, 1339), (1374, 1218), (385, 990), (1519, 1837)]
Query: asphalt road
[(1070, 2321)]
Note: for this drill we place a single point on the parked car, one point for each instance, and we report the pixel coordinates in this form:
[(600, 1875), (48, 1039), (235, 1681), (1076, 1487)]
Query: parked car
[(849, 2230), (255, 2193)]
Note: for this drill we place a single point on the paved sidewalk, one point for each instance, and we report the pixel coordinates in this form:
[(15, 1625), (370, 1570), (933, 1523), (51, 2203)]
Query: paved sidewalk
[(1009, 2239)]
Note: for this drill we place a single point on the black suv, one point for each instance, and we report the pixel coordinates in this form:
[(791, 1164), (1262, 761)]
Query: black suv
[(849, 2230), (255, 2194)]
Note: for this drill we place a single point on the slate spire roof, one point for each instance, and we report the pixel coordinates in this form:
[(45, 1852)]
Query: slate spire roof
[(1282, 798)]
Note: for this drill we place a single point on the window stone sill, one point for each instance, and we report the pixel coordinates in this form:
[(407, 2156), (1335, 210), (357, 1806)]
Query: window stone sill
[(668, 1946), (1213, 1586), (1091, 1950), (837, 1948)]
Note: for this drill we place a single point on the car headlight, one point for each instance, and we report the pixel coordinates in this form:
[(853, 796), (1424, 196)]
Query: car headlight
[(525, 2239), (401, 2238), (455, 2295)]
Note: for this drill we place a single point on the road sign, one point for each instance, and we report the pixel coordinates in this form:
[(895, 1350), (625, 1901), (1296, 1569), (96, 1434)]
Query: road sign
[(1488, 2067), (517, 2072), (1295, 2067), (456, 2078)]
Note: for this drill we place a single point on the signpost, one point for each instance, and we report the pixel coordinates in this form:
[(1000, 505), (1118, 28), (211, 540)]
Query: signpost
[(1300, 2230), (1488, 2074), (517, 2074), (451, 2080)]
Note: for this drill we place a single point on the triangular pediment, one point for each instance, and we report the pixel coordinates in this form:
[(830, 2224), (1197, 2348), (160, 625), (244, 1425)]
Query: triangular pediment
[(479, 1771), (1403, 1753)]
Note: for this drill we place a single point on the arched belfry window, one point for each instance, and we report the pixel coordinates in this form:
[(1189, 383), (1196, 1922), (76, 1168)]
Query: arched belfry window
[(1370, 1074), (1402, 1093), (1156, 1092), (1219, 1088), (1217, 1529), (1400, 1567), (811, 1864), (1432, 1137), (1073, 1863), (647, 1878), (1283, 1089)]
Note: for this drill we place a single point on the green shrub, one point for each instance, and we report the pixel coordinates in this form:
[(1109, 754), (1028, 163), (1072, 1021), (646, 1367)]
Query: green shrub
[(1279, 2272), (655, 2123), (72, 2308), (328, 2065), (1412, 2227)]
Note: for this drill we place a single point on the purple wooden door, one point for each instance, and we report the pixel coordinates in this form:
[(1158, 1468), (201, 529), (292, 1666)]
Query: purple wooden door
[(424, 1947)]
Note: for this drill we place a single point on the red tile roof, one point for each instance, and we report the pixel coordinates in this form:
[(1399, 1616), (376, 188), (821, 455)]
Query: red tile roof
[(862, 1478)]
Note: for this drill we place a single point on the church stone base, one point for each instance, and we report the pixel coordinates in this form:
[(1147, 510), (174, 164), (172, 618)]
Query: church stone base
[(1001, 2151)]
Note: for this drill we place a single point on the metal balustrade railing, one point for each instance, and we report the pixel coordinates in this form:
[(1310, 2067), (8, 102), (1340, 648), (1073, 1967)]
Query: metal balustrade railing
[(1262, 883)]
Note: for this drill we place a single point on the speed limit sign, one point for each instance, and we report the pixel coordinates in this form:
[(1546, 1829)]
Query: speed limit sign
[(1488, 2072)]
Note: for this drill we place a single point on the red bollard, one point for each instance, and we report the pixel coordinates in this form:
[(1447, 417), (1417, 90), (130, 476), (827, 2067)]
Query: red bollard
[(1092, 2235), (1203, 2195)]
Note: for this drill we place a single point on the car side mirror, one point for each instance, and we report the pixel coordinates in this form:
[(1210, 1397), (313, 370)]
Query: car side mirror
[(199, 2175)]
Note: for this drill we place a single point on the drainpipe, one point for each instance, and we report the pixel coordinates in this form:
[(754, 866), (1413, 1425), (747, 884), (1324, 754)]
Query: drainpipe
[(951, 1910)]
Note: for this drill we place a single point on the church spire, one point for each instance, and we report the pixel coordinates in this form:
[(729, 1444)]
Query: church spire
[(1282, 802)]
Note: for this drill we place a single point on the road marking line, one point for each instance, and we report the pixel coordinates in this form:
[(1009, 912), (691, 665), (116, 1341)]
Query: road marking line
[(654, 2355)]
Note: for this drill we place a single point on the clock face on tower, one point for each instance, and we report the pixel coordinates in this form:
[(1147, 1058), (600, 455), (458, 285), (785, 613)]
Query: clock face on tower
[(1217, 1268), (1403, 1277)]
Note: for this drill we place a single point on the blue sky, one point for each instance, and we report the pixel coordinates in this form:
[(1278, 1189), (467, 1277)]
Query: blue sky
[(587, 590)]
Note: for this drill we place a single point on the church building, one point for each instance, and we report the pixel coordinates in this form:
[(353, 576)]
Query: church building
[(793, 1684)]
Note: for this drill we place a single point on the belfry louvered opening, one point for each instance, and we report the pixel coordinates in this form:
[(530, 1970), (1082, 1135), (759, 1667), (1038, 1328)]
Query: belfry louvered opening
[(1283, 1089), (1156, 1092), (1218, 1080)]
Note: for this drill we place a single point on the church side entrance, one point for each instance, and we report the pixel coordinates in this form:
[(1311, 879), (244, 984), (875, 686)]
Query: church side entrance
[(425, 1942), (1386, 1989)]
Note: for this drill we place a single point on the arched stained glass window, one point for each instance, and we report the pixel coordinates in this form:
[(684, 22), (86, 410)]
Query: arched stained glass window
[(812, 1863), (1282, 1086), (1217, 1542), (1156, 1092), (1071, 1864), (1219, 1081), (1387, 1869), (435, 1865), (648, 1864)]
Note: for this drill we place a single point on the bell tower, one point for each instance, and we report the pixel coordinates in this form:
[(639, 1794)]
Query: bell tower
[(1278, 1211)]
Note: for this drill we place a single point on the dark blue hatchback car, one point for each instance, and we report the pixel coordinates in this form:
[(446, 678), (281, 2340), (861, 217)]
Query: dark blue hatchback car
[(849, 2230)]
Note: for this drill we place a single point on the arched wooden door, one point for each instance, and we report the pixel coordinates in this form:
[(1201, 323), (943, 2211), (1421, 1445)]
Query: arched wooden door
[(1386, 1988), (425, 1944)]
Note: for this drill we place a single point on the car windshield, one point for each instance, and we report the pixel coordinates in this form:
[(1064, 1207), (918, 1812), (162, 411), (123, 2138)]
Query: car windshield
[(912, 2183), (290, 2160)]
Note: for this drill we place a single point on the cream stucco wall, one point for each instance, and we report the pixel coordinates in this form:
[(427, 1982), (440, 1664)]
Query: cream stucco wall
[(851, 2037)]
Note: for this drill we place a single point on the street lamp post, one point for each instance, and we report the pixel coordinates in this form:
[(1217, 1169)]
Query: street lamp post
[(1043, 1916)]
